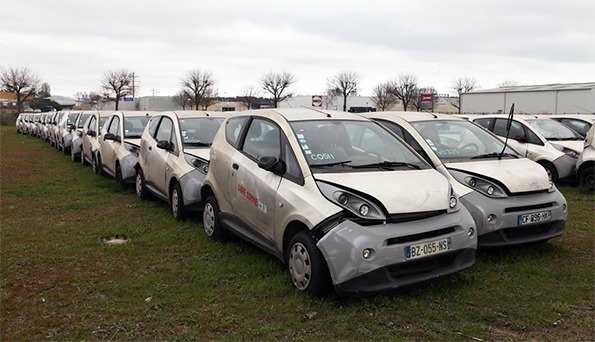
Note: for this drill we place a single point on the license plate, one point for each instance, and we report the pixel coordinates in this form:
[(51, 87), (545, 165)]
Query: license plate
[(426, 248), (540, 216)]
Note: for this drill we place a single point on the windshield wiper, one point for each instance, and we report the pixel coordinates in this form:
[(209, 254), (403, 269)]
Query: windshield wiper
[(345, 162), (494, 155), (198, 143), (387, 164)]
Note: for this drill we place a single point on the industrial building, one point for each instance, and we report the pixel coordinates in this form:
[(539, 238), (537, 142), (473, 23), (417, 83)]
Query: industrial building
[(558, 98)]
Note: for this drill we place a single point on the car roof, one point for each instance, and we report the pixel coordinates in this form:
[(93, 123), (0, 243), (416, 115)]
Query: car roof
[(411, 116), (200, 113), (136, 113), (304, 113)]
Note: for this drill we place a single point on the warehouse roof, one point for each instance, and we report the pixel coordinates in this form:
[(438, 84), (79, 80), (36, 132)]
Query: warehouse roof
[(538, 87)]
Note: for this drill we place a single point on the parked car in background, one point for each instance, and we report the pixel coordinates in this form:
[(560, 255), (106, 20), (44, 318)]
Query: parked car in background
[(174, 156), (510, 197), (119, 144), (55, 128), (585, 166), (65, 131), (542, 140), (91, 132), (19, 123), (77, 136), (337, 198), (580, 123)]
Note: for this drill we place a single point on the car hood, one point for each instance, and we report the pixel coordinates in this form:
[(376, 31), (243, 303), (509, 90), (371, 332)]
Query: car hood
[(399, 191), (575, 145), (132, 141), (203, 153), (518, 175)]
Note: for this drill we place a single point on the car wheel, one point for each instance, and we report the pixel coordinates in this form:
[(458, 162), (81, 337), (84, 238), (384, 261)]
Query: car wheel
[(552, 173), (118, 175), (97, 168), (306, 265), (139, 185), (176, 200), (211, 222), (587, 178)]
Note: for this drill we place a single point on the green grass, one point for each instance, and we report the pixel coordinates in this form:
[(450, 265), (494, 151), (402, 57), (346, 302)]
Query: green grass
[(59, 282)]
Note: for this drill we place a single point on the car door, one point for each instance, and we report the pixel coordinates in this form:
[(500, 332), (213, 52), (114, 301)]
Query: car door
[(148, 144), (255, 192), (158, 156), (90, 126), (108, 146)]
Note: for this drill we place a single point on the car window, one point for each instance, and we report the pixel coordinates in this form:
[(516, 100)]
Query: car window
[(263, 139), (485, 123), (134, 126), (553, 130), (580, 126), (292, 168), (233, 129), (153, 123), (92, 122), (408, 138), (114, 126), (102, 121), (164, 132), (517, 132), (82, 119)]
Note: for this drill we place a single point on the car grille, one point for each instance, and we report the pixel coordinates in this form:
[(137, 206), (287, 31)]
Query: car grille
[(408, 217), (420, 236), (529, 207)]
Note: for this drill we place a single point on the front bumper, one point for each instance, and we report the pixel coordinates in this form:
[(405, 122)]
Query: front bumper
[(388, 268), (504, 229), (191, 183), (565, 166), (127, 164)]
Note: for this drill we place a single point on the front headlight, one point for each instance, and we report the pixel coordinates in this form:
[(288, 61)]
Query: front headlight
[(356, 204), (481, 185), (131, 147), (200, 164), (570, 152)]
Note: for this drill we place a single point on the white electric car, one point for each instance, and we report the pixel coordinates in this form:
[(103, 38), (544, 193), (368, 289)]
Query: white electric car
[(174, 156), (119, 143), (76, 145), (338, 198), (585, 167), (91, 132), (510, 197), (542, 140)]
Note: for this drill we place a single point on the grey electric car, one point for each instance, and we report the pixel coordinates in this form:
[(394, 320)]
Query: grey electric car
[(174, 156), (338, 198)]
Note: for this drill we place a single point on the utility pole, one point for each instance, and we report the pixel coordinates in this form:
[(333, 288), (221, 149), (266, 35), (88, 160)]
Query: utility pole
[(133, 85)]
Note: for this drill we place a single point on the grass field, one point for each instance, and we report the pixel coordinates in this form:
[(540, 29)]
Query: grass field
[(58, 281)]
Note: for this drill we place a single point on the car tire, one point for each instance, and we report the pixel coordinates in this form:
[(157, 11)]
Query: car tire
[(176, 201), (551, 171), (139, 185), (118, 175), (306, 265), (97, 167), (211, 220), (587, 178)]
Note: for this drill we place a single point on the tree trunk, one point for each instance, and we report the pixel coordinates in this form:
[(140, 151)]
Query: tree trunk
[(275, 100), (459, 104), (19, 103), (344, 102), (117, 101), (404, 106)]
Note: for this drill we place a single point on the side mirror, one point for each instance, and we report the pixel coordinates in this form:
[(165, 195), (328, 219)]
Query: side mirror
[(165, 145), (272, 164), (91, 133), (109, 136)]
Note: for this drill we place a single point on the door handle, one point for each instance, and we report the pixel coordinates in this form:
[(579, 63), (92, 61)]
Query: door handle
[(235, 166)]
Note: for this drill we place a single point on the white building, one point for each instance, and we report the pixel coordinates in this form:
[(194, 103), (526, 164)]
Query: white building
[(556, 98)]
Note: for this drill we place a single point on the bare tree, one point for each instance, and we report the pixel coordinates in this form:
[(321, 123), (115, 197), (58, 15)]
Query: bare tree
[(199, 85), (276, 85), (20, 81), (344, 84), (383, 97), (44, 90), (210, 97), (117, 85), (405, 89), (182, 98), (463, 85), (249, 96)]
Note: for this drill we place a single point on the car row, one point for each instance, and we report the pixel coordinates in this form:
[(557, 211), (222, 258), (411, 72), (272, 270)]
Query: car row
[(355, 203)]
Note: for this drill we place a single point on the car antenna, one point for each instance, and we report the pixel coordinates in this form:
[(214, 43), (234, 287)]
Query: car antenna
[(508, 125)]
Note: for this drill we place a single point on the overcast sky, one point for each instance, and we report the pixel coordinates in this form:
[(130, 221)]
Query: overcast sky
[(71, 43)]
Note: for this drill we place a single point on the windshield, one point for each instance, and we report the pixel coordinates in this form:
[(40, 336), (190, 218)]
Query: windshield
[(82, 120), (199, 131), (462, 140), (352, 144), (553, 130), (102, 120), (134, 126), (71, 119)]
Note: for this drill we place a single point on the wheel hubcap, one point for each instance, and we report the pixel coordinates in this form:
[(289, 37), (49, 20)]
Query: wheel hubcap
[(208, 219), (300, 267)]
